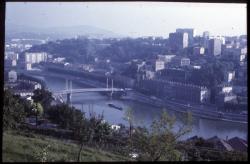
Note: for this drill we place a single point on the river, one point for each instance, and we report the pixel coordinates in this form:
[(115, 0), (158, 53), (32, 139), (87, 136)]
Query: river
[(144, 114)]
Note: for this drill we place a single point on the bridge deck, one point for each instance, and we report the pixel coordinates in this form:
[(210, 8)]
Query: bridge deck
[(89, 90)]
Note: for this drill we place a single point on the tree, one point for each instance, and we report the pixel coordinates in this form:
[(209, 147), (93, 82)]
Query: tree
[(44, 97), (160, 141), (38, 110), (129, 116), (67, 117), (13, 111), (94, 130)]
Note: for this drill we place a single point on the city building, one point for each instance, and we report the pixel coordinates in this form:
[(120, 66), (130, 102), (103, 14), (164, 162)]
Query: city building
[(59, 60), (229, 76), (175, 90), (206, 34), (37, 86), (174, 74), (220, 144), (224, 88), (149, 74), (115, 127), (11, 55), (191, 93), (166, 58), (159, 65), (13, 63), (198, 50), (227, 89), (28, 66), (178, 41), (185, 61), (222, 98), (205, 39), (35, 57), (190, 32), (12, 76), (27, 46), (179, 61), (238, 144), (197, 67), (24, 93), (214, 47)]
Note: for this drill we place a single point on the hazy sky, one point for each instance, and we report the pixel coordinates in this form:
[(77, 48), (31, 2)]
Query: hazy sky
[(133, 18)]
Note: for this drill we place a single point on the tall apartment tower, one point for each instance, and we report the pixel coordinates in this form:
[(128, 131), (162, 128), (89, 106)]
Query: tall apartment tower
[(190, 32), (214, 47), (178, 41), (205, 38)]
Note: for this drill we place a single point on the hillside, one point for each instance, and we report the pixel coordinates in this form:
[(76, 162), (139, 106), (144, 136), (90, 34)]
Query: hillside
[(24, 147)]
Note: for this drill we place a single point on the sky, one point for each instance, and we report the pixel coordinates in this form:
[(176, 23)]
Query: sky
[(133, 19)]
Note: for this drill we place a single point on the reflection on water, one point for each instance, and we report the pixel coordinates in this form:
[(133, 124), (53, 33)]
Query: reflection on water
[(145, 114)]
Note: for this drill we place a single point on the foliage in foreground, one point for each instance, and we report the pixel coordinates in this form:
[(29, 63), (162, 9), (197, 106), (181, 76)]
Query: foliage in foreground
[(13, 111), (160, 141), (157, 143)]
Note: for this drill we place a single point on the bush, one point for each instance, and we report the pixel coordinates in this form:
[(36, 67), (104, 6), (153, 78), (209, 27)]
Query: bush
[(13, 111)]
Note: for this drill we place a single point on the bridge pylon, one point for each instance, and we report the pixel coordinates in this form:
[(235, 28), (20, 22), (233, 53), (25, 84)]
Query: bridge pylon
[(107, 82), (69, 87), (69, 98)]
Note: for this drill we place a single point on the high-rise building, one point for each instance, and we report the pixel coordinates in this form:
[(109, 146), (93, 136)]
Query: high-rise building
[(178, 41), (214, 47), (205, 38), (35, 57), (190, 32), (206, 34)]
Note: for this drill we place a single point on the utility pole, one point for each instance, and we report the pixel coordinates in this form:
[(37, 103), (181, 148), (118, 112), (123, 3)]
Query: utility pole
[(70, 92), (107, 82), (112, 88)]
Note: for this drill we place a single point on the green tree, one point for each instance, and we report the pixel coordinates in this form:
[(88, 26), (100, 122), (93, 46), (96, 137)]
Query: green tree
[(13, 111), (38, 110), (44, 97), (94, 131), (160, 141), (67, 117)]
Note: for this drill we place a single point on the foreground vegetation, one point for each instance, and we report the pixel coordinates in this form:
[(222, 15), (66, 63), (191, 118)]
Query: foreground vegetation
[(24, 147), (78, 138)]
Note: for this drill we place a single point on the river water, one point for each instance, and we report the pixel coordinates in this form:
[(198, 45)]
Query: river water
[(144, 114)]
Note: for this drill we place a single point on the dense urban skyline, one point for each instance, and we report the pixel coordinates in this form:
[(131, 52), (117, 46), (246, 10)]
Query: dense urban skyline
[(133, 19)]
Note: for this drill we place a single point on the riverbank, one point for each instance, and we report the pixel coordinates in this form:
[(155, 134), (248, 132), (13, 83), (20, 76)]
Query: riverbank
[(209, 113)]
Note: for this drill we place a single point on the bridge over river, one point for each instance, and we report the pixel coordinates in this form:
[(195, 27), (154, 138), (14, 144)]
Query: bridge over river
[(69, 92)]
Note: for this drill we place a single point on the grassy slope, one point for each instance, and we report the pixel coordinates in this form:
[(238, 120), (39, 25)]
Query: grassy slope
[(21, 148)]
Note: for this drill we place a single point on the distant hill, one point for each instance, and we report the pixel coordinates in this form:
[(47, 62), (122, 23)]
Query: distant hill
[(27, 31)]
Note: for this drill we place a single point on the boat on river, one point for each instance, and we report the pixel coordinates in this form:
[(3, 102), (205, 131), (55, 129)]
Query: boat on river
[(114, 106)]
